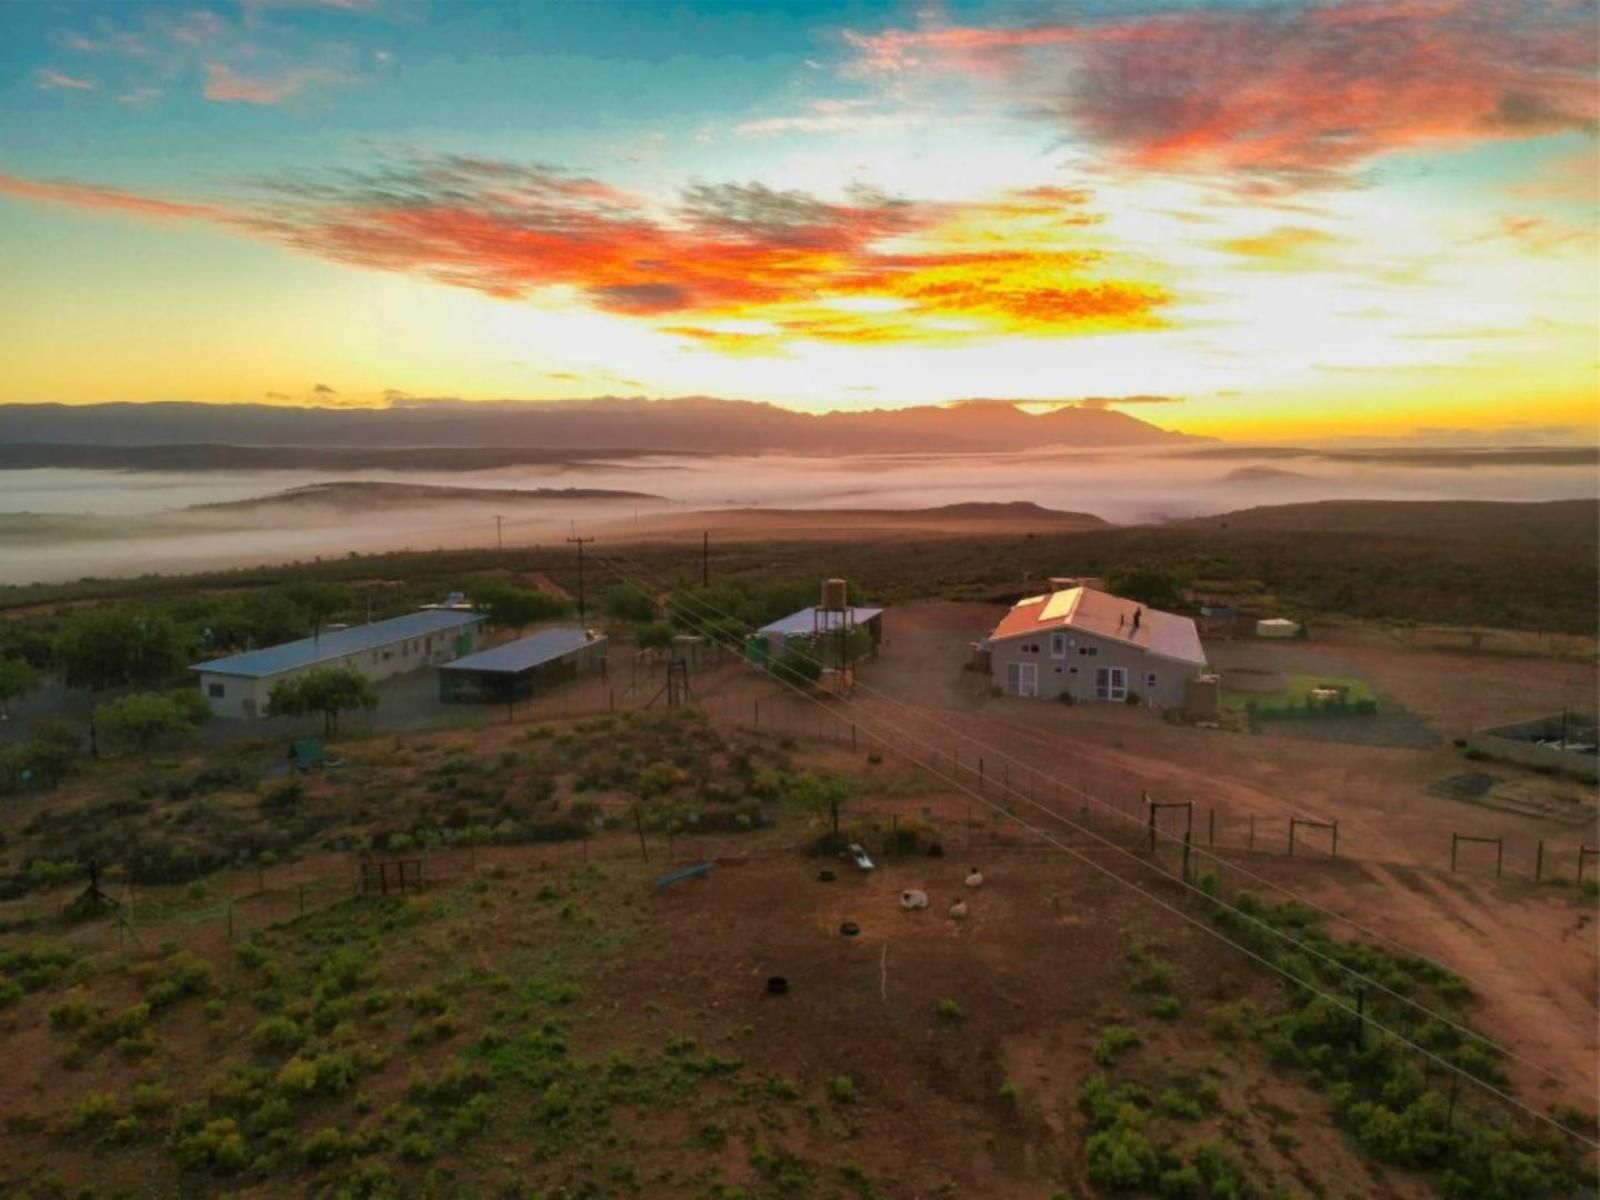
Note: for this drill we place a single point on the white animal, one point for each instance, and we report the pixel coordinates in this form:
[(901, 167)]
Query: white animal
[(975, 879), (913, 899), (958, 910)]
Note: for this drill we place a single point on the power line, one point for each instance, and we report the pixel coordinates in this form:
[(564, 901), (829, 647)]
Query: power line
[(1304, 946), (709, 631)]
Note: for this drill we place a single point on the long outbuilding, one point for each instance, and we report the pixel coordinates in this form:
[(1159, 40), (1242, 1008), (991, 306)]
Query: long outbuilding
[(240, 685), (516, 670)]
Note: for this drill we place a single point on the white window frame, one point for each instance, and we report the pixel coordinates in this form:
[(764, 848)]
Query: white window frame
[(1022, 679), (1058, 645), (1111, 683)]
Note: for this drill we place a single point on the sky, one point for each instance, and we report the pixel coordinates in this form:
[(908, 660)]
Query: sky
[(1276, 219)]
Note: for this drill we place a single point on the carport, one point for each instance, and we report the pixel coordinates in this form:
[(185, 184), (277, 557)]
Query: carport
[(517, 670)]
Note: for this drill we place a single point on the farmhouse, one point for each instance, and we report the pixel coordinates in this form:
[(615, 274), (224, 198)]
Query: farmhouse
[(516, 670), (239, 686), (1090, 645)]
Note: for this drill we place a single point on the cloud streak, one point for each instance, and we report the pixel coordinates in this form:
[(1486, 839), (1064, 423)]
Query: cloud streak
[(1277, 97), (736, 267)]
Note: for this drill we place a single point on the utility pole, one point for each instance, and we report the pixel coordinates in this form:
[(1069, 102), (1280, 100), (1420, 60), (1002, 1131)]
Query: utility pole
[(705, 559), (499, 540), (579, 542)]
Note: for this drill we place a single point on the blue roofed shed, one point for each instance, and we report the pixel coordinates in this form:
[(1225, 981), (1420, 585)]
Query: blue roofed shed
[(516, 670)]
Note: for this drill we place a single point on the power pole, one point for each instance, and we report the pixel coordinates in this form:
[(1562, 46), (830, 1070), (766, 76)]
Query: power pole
[(579, 542), (705, 558), (499, 540)]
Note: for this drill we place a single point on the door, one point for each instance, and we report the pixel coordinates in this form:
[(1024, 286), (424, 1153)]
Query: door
[(1111, 683), (1022, 679)]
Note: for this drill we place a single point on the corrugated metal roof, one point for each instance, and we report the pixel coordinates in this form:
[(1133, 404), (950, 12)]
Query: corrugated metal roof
[(337, 643), (1104, 615), (805, 621), (525, 653)]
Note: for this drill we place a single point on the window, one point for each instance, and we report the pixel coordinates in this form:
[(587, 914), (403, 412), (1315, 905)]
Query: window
[(1088, 651), (1111, 683), (1058, 645), (1150, 679), (216, 691), (1022, 679)]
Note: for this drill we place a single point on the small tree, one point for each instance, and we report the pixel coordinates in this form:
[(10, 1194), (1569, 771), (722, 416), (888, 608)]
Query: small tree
[(1157, 586), (629, 604), (823, 794), (142, 719), (517, 608), (326, 690), (657, 635), (318, 598), (17, 679), (798, 664), (101, 648)]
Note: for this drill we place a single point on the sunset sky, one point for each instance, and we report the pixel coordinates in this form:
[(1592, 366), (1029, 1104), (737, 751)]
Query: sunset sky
[(1290, 219)]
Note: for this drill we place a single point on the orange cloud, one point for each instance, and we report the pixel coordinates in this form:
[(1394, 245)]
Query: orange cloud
[(111, 199), (1281, 96), (871, 268)]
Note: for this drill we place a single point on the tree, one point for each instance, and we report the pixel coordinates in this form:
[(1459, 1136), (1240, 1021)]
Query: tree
[(318, 598), (100, 648), (798, 664), (823, 793), (140, 720), (516, 608), (628, 603), (17, 679), (1157, 586), (657, 635), (326, 690)]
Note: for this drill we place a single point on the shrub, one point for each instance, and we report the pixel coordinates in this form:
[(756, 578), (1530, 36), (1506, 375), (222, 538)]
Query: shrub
[(277, 1033), (1114, 1039), (842, 1089), (948, 1010), (96, 1112), (1121, 1158), (217, 1146), (326, 1145), (298, 1077)]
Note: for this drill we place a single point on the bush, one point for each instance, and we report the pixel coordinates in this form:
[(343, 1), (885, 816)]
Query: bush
[(1113, 1041), (1121, 1158), (277, 1033), (842, 1089), (217, 1146), (948, 1010)]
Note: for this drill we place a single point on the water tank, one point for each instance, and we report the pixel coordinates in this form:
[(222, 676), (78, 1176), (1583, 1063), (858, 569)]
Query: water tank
[(834, 595)]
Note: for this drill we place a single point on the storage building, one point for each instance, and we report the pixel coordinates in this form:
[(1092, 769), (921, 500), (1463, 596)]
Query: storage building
[(239, 686)]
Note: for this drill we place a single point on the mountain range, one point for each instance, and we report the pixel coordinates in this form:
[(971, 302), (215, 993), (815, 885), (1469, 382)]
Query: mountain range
[(682, 424)]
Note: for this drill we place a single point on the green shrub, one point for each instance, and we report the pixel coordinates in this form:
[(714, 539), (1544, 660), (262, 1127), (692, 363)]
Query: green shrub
[(1121, 1158), (326, 1145), (277, 1033), (1114, 1039), (842, 1089), (217, 1146), (948, 1010)]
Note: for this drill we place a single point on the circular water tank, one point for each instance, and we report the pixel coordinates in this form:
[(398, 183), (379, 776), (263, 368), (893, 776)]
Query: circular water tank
[(834, 595)]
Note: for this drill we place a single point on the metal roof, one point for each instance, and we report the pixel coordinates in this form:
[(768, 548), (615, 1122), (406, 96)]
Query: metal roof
[(337, 643), (805, 620), (1167, 635), (525, 653)]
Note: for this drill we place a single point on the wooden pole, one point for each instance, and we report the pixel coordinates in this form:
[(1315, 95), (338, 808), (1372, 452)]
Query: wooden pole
[(1538, 863)]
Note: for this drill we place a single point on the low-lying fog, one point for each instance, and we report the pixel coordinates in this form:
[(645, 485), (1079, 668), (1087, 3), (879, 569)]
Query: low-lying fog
[(84, 522)]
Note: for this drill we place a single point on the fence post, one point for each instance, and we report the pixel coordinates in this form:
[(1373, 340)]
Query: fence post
[(1186, 836), (1538, 863), (1336, 839), (980, 775), (852, 737), (1453, 851), (1211, 827), (1499, 856), (757, 721)]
